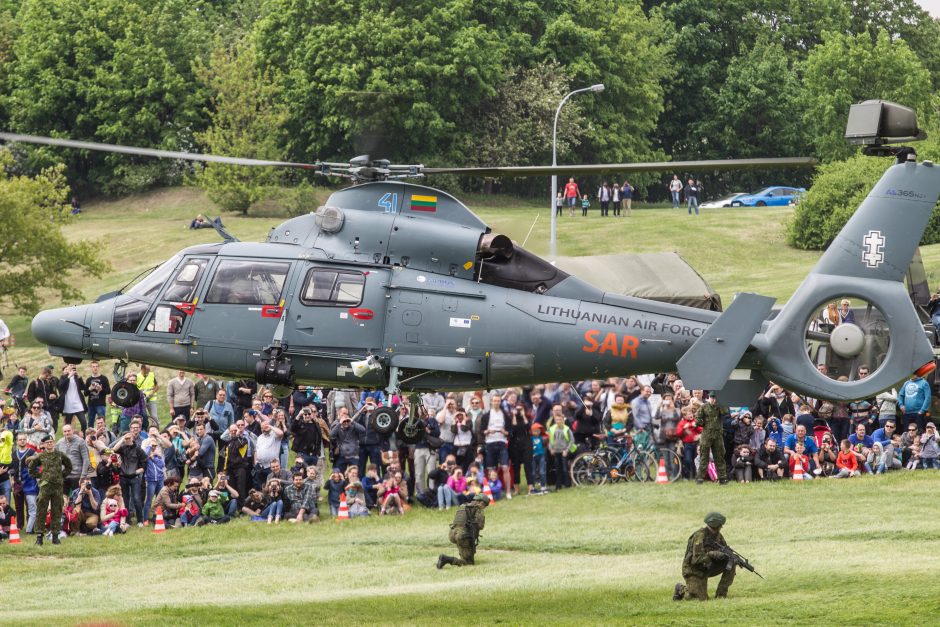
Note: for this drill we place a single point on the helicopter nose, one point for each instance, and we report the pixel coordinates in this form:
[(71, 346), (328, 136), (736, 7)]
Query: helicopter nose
[(61, 328)]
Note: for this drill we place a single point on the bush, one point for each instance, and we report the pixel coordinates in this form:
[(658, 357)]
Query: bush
[(838, 189)]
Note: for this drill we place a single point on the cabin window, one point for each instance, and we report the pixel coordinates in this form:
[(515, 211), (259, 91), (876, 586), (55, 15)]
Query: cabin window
[(332, 287), (183, 287), (127, 315), (166, 319), (248, 282)]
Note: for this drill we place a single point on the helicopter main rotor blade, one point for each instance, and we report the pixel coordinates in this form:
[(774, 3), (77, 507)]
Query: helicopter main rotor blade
[(151, 152), (661, 166)]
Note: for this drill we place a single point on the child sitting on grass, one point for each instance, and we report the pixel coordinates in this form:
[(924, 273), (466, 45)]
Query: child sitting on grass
[(846, 462), (496, 486), (743, 464), (799, 455)]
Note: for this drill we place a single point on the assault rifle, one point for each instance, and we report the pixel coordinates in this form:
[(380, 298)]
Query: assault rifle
[(734, 558)]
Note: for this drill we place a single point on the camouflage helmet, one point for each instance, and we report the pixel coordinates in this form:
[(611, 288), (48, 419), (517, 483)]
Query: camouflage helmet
[(481, 498), (714, 520)]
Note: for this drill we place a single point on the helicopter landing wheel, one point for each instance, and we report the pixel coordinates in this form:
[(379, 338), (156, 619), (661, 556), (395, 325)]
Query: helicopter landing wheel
[(125, 394), (384, 420)]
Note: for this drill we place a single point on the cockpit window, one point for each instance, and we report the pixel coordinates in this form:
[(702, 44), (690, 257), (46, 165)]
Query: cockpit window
[(127, 315), (332, 287), (248, 282), (183, 286), (150, 285)]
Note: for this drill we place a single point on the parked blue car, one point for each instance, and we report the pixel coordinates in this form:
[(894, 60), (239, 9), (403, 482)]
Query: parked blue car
[(769, 197)]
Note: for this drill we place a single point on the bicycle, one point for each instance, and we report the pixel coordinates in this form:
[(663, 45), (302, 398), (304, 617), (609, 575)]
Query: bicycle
[(652, 453), (611, 463)]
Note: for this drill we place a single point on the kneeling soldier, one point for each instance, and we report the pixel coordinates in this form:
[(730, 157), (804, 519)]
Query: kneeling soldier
[(465, 531), (703, 560)]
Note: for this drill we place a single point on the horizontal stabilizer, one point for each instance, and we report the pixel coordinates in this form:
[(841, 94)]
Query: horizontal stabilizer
[(708, 364)]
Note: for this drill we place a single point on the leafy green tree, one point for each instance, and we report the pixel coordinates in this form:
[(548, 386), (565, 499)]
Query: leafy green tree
[(902, 19), (247, 118), (612, 42), (753, 115), (115, 71), (35, 257), (707, 37), (847, 69)]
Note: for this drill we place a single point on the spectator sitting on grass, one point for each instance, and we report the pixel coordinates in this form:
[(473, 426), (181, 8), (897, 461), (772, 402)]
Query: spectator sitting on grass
[(254, 504), (769, 461), (827, 455), (799, 456), (113, 513), (496, 486), (929, 448), (300, 501), (273, 500), (809, 446), (393, 495), (743, 463), (891, 458), (356, 500), (214, 510), (846, 462), (192, 504), (861, 446), (168, 500)]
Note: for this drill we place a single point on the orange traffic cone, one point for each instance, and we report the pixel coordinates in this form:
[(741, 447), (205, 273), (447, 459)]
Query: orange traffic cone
[(158, 525), (487, 491), (798, 470), (661, 476), (343, 513), (14, 532)]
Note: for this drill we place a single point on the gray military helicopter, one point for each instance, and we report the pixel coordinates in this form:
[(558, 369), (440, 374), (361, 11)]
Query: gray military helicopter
[(400, 286)]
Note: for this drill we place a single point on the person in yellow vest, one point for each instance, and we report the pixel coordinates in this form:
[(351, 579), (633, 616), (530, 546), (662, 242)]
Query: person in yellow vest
[(147, 384)]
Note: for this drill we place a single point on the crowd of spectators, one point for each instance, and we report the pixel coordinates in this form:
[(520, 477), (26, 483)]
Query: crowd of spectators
[(229, 448)]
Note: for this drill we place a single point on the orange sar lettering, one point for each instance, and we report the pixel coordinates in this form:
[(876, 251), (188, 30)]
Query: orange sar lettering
[(621, 346)]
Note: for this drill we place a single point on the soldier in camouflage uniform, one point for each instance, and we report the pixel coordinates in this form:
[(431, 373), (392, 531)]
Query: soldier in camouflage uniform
[(50, 468), (712, 440), (703, 560), (465, 531)]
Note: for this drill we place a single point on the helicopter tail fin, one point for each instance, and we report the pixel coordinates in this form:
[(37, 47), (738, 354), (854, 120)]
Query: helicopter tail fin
[(868, 261), (708, 364)]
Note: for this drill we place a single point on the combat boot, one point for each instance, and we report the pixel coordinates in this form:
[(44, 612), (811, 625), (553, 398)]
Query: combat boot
[(38, 539), (55, 539), (443, 560), (679, 592)]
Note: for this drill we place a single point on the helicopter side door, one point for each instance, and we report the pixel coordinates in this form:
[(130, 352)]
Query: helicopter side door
[(238, 313), (338, 315), (169, 319)]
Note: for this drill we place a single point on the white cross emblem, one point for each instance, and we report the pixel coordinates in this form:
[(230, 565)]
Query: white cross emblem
[(874, 249)]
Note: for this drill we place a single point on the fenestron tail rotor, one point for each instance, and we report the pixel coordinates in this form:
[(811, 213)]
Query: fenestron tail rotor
[(363, 168)]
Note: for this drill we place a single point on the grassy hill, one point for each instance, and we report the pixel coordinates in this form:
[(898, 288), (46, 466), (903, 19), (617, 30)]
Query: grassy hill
[(856, 552)]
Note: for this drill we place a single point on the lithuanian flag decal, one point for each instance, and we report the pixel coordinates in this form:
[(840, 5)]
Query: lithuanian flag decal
[(423, 203)]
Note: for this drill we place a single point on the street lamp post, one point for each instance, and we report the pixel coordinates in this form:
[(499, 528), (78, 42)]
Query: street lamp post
[(553, 242)]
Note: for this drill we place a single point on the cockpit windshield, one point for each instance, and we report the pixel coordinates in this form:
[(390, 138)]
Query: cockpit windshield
[(148, 287)]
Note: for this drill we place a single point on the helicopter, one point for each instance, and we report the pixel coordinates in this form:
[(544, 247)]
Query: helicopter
[(400, 286)]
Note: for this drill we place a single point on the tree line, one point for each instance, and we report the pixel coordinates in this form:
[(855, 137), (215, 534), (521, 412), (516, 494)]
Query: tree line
[(450, 82)]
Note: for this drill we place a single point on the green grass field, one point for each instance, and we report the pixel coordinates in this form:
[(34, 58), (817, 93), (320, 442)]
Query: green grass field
[(858, 552)]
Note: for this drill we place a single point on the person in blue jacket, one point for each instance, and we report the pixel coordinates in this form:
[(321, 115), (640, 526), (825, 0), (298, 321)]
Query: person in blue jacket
[(914, 402)]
